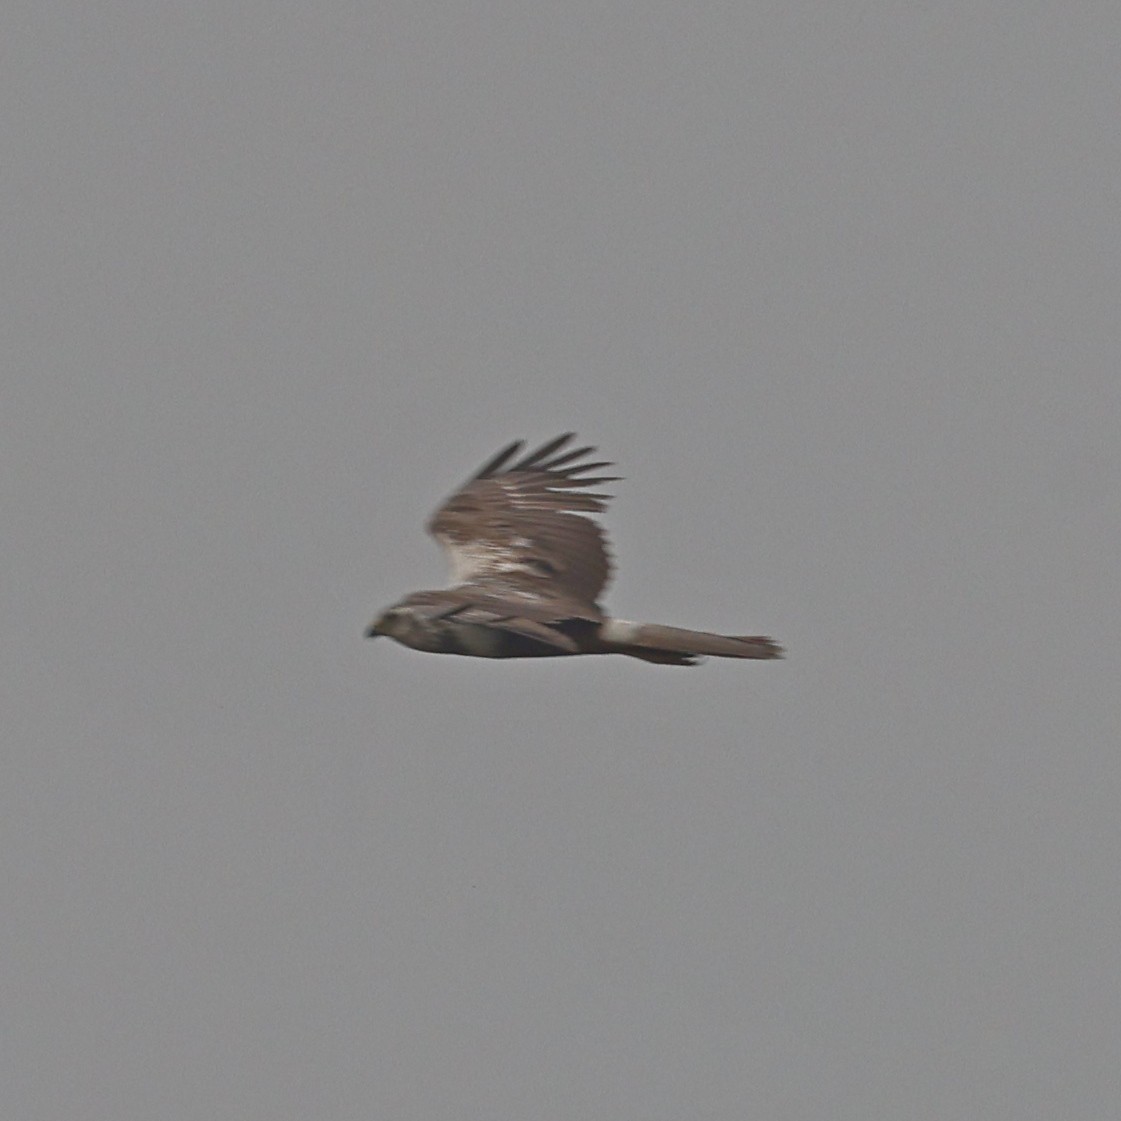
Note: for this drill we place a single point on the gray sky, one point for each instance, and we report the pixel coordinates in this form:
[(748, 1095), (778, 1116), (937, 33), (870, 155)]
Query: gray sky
[(838, 286)]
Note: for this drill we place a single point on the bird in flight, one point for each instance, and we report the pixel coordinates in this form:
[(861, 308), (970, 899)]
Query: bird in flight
[(528, 567)]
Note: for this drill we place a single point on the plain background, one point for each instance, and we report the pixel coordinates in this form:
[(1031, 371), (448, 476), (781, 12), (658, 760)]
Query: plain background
[(838, 287)]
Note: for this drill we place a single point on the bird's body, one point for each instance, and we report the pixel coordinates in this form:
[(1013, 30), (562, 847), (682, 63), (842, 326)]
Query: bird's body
[(529, 567)]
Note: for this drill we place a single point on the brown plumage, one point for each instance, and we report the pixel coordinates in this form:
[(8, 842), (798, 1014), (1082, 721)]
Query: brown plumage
[(528, 566)]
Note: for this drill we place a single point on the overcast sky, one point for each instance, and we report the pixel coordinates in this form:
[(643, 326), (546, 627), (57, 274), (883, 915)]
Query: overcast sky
[(836, 285)]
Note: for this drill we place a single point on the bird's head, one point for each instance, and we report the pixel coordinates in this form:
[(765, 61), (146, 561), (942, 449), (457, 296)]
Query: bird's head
[(383, 624), (405, 624)]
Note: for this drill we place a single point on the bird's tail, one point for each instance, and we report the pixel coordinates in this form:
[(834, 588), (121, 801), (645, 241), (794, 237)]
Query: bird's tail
[(676, 647)]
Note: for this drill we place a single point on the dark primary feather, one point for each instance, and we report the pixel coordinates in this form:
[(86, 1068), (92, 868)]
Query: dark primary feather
[(493, 464), (539, 457)]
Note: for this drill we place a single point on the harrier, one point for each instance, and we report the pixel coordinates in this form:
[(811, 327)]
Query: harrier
[(528, 568)]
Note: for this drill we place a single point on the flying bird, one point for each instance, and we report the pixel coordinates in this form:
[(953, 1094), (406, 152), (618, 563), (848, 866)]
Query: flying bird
[(528, 566)]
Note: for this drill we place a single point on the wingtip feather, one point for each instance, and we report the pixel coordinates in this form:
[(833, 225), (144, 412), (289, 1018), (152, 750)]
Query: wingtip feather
[(499, 459), (534, 458)]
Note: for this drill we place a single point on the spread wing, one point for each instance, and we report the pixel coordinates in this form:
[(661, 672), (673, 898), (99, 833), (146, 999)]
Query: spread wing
[(518, 524)]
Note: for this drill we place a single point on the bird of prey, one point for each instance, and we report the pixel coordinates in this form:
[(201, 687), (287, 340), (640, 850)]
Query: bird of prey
[(528, 566)]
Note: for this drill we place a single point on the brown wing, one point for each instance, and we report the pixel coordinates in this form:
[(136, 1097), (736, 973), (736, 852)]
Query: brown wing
[(518, 523)]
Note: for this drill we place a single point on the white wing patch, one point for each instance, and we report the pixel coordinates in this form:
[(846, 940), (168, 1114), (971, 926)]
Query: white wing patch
[(475, 559)]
